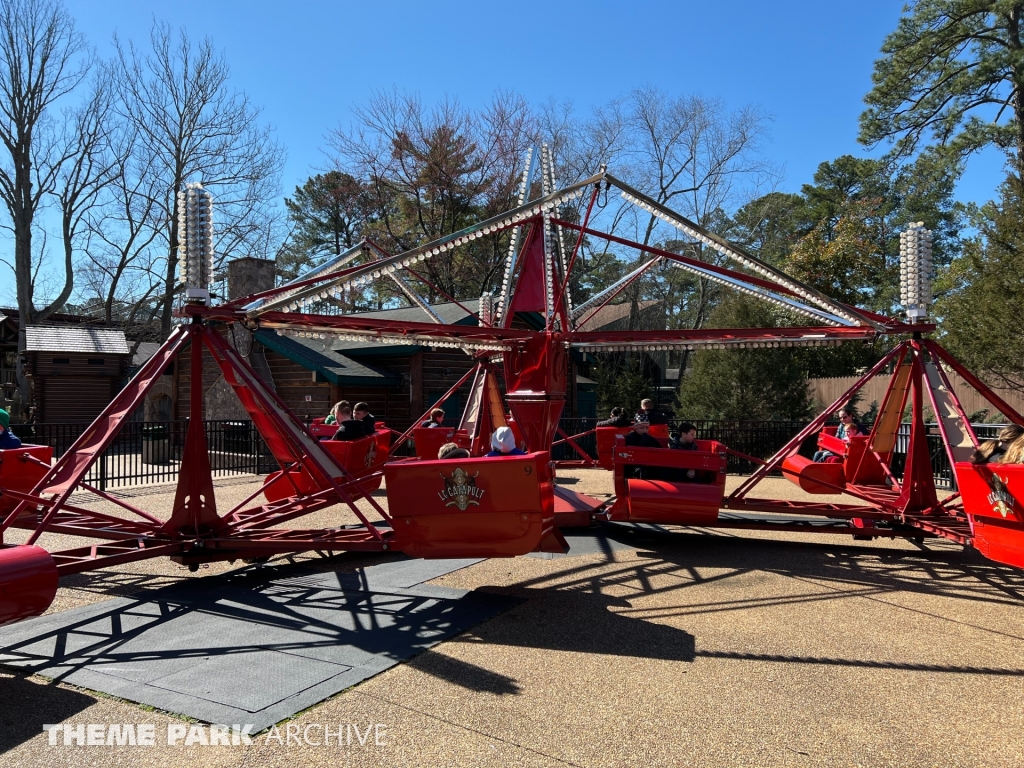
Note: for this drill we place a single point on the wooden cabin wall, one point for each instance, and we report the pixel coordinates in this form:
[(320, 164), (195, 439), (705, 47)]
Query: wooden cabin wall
[(75, 390), (294, 384)]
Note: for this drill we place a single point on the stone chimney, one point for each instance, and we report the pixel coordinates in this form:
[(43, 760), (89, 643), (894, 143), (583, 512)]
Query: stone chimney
[(247, 276)]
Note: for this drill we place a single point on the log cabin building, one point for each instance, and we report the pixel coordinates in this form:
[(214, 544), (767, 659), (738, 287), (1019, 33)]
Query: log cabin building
[(399, 382)]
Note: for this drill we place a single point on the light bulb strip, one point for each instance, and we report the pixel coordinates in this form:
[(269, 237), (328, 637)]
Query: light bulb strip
[(595, 300), (766, 295), (689, 346), (513, 246), (325, 269), (370, 272), (374, 337), (733, 252), (559, 243)]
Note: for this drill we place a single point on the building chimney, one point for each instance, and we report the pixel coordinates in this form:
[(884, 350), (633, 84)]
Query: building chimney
[(247, 276)]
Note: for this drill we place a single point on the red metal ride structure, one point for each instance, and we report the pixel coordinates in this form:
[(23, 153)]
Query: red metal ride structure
[(510, 506)]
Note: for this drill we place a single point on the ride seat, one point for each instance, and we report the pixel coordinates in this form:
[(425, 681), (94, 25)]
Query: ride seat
[(479, 507), (852, 462), (362, 458), (664, 501), (18, 471), (993, 496), (606, 444), (428, 440)]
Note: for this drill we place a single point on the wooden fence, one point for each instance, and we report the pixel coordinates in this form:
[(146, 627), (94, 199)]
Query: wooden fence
[(827, 391)]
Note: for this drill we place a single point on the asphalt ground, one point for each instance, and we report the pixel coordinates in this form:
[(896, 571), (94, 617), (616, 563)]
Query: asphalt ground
[(688, 647)]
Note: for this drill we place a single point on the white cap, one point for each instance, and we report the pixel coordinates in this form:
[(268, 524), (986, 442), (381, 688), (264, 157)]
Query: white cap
[(503, 440)]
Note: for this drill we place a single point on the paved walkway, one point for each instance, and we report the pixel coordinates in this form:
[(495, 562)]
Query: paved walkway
[(689, 647)]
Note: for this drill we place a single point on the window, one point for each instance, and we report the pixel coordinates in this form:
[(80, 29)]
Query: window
[(96, 361), (61, 361)]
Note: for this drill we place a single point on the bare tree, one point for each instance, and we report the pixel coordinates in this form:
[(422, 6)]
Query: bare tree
[(694, 156), (125, 230), (434, 171), (42, 60), (193, 128)]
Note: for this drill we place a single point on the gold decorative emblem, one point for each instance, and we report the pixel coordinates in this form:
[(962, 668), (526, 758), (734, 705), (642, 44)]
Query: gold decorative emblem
[(460, 490), (371, 454), (1000, 498)]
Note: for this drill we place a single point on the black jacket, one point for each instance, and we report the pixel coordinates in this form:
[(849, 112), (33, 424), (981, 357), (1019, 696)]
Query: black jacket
[(636, 440), (350, 429), (619, 421)]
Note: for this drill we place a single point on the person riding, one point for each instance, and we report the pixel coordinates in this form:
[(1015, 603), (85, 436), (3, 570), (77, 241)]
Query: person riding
[(848, 427), (648, 414), (1014, 453), (7, 438), (332, 417), (436, 419), (348, 428), (452, 451), (503, 443), (641, 438), (361, 412), (684, 440), (996, 451), (618, 418)]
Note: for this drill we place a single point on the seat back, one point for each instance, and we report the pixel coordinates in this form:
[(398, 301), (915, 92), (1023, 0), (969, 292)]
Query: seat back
[(478, 507), (606, 444), (18, 471), (659, 431), (674, 499), (362, 458), (860, 465), (428, 440), (318, 429), (993, 497)]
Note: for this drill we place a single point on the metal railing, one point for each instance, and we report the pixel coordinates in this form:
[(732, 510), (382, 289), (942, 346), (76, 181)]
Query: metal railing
[(151, 452), (762, 439)]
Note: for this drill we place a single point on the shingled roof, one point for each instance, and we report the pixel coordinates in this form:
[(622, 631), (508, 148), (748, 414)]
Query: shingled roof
[(336, 368), (64, 338)]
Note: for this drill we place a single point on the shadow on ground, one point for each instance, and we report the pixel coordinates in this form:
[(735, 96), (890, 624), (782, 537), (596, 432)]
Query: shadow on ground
[(28, 705), (571, 610)]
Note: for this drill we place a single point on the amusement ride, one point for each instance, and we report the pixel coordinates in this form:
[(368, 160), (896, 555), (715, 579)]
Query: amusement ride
[(486, 507)]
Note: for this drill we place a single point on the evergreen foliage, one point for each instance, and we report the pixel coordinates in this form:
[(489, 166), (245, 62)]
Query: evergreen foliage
[(746, 383)]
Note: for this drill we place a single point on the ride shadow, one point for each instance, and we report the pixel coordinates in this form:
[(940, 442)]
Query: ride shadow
[(31, 705), (254, 646), (589, 606)]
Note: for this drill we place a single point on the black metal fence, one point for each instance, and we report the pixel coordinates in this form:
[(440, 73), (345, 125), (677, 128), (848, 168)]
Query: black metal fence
[(762, 439), (151, 452)]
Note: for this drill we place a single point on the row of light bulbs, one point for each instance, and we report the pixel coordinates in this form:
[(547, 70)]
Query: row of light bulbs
[(510, 259), (373, 337), (550, 168), (726, 251), (195, 236), (427, 251), (698, 345), (593, 300), (916, 270), (762, 294)]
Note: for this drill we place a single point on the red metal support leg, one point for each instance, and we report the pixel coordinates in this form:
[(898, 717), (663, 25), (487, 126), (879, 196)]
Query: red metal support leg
[(195, 507), (811, 428), (69, 470)]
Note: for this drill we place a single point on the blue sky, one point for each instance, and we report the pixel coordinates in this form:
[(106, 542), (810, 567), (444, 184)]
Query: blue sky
[(307, 63)]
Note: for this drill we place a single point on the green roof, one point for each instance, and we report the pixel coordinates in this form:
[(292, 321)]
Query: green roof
[(317, 355)]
